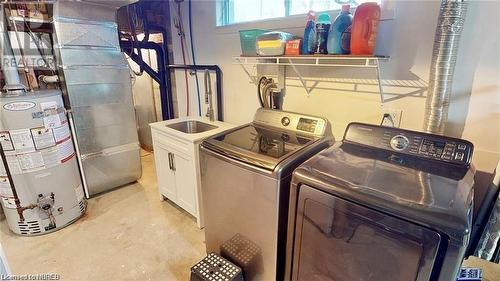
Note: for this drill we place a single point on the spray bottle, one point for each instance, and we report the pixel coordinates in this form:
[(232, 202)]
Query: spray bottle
[(309, 41)]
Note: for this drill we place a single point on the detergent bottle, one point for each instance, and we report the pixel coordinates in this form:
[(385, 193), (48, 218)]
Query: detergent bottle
[(339, 37), (309, 41), (322, 29), (364, 29)]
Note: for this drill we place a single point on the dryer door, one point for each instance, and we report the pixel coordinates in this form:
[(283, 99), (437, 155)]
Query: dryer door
[(341, 241)]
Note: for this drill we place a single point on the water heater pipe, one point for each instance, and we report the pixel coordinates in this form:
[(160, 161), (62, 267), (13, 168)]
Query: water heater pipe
[(12, 83), (8, 60), (444, 56), (48, 79), (20, 209)]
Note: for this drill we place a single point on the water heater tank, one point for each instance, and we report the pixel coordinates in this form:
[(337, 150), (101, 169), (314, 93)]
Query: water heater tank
[(38, 147)]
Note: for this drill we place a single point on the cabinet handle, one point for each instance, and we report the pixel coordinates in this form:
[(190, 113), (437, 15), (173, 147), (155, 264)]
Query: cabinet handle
[(170, 161), (173, 162)]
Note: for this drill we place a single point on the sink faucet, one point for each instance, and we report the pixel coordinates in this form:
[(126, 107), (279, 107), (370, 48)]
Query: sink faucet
[(208, 96)]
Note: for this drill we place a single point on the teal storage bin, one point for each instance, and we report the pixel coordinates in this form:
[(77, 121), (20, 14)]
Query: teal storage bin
[(247, 40)]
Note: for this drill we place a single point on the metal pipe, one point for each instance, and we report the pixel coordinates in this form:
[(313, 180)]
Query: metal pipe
[(7, 58), (21, 51), (444, 56), (162, 77), (12, 83), (48, 79), (11, 182), (169, 94), (218, 82), (19, 208), (208, 95)]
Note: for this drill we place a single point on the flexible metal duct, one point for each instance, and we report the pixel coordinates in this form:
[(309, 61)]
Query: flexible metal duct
[(444, 56)]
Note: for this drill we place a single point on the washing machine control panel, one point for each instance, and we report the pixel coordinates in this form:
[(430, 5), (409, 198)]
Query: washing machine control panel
[(418, 144), (290, 121), (399, 142)]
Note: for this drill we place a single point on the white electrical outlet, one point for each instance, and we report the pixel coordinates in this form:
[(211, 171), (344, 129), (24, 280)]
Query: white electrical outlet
[(391, 117)]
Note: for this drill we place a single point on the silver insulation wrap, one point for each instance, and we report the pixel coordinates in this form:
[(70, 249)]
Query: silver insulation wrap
[(444, 56)]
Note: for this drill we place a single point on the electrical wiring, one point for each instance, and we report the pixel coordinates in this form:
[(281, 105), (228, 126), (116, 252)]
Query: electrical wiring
[(193, 56)]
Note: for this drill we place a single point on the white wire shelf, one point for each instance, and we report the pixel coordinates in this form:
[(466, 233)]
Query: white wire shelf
[(312, 60), (353, 61)]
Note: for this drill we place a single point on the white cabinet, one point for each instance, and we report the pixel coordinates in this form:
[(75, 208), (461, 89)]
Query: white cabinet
[(176, 171), (178, 164), (165, 175), (185, 182)]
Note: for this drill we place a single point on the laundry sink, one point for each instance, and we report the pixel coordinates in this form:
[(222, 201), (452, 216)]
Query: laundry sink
[(192, 127)]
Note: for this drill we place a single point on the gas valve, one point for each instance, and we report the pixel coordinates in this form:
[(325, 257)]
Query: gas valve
[(46, 202)]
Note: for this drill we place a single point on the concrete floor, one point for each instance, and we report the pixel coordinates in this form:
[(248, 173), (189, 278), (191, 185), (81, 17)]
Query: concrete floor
[(127, 234)]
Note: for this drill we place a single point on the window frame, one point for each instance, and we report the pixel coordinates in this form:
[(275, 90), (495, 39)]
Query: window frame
[(292, 23), (225, 13)]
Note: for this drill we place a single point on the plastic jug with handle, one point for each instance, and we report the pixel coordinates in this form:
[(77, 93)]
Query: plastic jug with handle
[(339, 37), (364, 29)]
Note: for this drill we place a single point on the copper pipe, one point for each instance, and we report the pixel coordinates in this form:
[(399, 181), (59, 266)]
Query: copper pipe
[(20, 209)]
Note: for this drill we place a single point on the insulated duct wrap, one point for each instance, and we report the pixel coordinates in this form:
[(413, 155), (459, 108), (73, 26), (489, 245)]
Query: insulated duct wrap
[(444, 56), (96, 80)]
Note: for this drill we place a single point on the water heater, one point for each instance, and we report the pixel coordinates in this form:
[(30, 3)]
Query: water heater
[(41, 189)]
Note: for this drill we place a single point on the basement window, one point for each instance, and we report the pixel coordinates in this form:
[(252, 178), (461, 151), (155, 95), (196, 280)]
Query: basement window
[(239, 11)]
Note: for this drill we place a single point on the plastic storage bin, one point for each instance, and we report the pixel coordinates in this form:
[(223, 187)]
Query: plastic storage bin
[(247, 40), (272, 43)]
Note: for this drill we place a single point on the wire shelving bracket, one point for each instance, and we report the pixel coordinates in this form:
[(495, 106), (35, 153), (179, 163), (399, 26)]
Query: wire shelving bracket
[(372, 62)]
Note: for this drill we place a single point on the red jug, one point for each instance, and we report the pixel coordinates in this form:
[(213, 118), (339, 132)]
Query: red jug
[(364, 29)]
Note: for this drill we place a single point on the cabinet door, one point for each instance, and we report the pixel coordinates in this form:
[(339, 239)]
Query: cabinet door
[(165, 175), (185, 183)]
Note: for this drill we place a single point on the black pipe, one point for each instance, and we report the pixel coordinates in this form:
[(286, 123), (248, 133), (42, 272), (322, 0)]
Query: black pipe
[(162, 77), (145, 23), (146, 67), (132, 32), (218, 76), (168, 95)]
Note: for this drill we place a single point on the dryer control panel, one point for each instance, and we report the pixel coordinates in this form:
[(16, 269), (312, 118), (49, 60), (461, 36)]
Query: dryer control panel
[(428, 146)]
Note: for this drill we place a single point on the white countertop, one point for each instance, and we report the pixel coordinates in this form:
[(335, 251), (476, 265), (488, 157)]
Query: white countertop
[(162, 127)]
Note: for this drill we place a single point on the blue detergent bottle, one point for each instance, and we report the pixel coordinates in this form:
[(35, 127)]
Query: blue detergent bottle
[(309, 41), (339, 37), (322, 28)]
